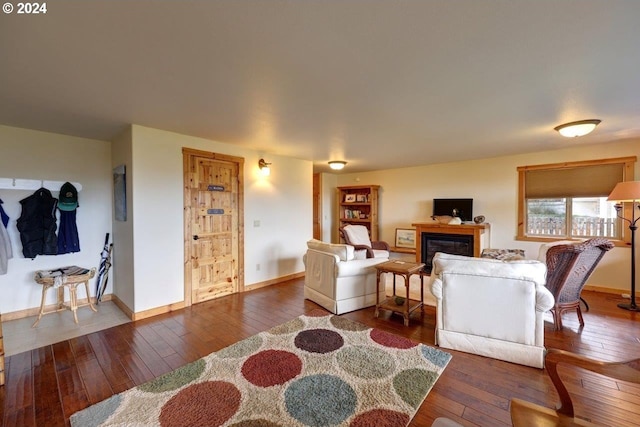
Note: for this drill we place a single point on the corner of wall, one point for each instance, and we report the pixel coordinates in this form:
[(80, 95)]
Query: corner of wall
[(122, 231)]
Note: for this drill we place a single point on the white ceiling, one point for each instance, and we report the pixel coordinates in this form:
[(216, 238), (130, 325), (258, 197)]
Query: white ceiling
[(381, 84)]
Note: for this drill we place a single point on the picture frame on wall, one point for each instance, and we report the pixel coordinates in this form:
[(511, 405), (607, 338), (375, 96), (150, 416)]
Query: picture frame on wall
[(405, 238), (350, 198)]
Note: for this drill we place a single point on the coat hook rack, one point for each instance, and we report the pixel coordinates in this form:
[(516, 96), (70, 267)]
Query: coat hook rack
[(33, 184)]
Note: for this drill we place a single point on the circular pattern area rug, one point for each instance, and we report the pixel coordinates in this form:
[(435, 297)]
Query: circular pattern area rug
[(315, 370)]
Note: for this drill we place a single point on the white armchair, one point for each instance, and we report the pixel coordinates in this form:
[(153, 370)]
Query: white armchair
[(491, 307), (336, 280), (358, 237)]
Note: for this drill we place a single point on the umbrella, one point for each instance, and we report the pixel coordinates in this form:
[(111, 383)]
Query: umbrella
[(103, 271)]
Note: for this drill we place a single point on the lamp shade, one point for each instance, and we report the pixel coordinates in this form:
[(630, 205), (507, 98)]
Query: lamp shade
[(628, 191), (579, 128)]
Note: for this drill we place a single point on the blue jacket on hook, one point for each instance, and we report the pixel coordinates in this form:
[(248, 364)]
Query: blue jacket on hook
[(3, 215)]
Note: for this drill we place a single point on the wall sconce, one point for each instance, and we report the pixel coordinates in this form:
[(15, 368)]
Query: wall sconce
[(337, 164), (579, 128), (264, 167)]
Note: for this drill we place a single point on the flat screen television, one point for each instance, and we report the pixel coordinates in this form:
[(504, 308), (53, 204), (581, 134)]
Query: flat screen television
[(463, 208)]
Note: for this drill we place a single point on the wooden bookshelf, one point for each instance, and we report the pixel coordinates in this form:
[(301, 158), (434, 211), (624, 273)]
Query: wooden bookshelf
[(359, 205)]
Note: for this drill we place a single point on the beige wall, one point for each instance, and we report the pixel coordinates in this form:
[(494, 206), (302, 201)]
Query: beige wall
[(406, 197), (281, 203), (122, 236)]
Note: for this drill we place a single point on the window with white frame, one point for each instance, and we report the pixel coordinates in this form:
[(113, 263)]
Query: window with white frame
[(569, 200)]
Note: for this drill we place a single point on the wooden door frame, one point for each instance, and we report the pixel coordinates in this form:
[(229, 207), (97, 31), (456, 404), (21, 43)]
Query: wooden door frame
[(317, 195), (188, 154)]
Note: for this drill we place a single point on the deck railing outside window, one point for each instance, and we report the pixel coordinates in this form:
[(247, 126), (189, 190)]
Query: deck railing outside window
[(545, 225)]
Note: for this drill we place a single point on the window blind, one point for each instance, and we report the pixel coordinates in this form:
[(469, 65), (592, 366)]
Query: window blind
[(583, 181)]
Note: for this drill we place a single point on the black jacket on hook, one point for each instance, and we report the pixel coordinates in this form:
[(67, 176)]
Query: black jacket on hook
[(37, 224)]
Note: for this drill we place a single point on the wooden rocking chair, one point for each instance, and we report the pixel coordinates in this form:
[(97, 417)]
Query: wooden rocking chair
[(527, 414)]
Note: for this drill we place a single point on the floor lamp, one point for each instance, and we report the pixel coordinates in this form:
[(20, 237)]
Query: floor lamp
[(629, 191)]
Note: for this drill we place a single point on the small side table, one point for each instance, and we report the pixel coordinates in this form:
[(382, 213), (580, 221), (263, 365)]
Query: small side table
[(406, 270), (65, 277)]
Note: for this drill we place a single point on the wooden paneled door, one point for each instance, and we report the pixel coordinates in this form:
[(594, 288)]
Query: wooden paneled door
[(213, 222)]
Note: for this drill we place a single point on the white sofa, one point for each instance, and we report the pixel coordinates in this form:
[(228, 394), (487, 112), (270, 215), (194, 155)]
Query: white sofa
[(491, 307), (336, 280)]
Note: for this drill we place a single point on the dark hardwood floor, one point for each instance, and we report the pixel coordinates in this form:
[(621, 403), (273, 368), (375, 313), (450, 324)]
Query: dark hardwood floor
[(45, 386)]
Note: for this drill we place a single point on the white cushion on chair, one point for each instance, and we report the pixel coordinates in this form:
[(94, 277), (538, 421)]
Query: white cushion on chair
[(344, 252), (380, 253), (357, 235)]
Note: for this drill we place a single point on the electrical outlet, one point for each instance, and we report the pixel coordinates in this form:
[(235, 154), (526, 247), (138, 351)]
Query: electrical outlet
[(256, 223), (257, 267)]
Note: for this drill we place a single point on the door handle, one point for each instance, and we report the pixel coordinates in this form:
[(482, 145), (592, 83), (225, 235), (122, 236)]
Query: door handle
[(196, 237)]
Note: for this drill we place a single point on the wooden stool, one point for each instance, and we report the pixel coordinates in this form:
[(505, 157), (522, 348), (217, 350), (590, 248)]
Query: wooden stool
[(65, 277), (1, 354)]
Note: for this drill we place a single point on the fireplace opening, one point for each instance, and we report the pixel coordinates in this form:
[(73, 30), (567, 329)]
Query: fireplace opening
[(454, 244)]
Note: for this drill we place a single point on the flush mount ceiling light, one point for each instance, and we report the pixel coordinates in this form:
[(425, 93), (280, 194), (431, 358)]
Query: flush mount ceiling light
[(264, 167), (579, 128), (337, 164)]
